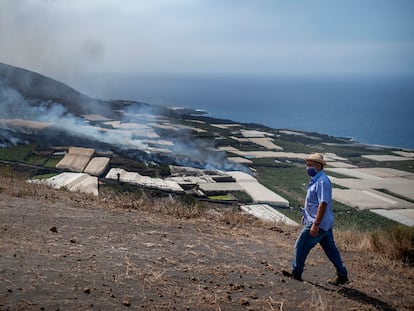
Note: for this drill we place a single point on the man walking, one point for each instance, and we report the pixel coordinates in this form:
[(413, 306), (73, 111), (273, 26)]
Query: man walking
[(318, 221)]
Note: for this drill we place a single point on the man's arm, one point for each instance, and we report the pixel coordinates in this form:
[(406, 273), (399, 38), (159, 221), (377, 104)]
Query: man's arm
[(319, 215)]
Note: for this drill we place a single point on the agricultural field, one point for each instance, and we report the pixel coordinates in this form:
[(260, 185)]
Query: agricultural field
[(281, 172)]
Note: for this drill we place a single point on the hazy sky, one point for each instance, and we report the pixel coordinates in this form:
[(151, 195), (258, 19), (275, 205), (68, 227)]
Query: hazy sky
[(65, 37)]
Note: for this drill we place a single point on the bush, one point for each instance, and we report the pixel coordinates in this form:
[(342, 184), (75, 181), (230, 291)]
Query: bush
[(395, 242), (188, 200)]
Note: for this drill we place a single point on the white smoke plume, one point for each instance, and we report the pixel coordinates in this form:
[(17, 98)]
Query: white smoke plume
[(14, 106), (187, 150), (31, 103)]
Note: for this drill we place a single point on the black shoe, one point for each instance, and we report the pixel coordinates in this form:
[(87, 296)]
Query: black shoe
[(292, 275), (339, 280)]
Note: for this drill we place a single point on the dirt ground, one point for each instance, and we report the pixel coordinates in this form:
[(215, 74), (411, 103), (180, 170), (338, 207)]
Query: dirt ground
[(62, 251)]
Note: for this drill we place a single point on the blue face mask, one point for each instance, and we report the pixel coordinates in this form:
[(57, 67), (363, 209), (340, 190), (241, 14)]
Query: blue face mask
[(311, 171)]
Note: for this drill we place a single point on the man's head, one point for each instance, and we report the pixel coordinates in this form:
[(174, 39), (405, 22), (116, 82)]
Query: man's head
[(314, 163)]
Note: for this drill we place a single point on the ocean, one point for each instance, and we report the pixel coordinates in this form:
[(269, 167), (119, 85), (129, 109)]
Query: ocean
[(369, 109)]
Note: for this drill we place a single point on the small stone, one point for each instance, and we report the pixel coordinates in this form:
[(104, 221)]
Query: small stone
[(254, 296), (53, 229), (245, 302), (126, 303), (87, 290)]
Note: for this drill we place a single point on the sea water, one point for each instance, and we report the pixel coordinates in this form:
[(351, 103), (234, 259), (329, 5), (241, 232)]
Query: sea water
[(367, 108)]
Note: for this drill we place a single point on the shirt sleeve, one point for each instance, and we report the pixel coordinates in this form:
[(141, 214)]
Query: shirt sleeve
[(324, 192)]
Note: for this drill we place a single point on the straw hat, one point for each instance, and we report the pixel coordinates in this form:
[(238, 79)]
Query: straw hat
[(316, 157)]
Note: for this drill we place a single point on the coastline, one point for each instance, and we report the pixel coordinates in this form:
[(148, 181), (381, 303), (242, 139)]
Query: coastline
[(374, 110), (348, 141)]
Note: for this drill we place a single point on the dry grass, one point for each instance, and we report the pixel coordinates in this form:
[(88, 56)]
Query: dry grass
[(16, 185), (395, 243), (145, 202), (353, 240)]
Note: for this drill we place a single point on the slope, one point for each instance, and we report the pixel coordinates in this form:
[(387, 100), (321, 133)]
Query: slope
[(62, 250), (36, 88)]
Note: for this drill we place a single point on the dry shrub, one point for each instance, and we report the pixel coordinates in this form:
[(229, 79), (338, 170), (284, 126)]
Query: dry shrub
[(395, 243), (236, 218), (16, 185), (144, 201), (6, 171), (353, 240), (173, 207)]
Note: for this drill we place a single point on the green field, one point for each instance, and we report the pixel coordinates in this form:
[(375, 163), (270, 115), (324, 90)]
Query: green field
[(17, 153)]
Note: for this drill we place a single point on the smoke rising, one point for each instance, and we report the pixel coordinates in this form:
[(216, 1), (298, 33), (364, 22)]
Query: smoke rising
[(185, 149), (15, 106), (31, 104)]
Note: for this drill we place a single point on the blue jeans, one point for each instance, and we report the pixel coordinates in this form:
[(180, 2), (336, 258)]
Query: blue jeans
[(306, 242)]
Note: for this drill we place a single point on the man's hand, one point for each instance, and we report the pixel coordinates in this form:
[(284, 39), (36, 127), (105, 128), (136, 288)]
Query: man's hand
[(314, 230), (319, 215)]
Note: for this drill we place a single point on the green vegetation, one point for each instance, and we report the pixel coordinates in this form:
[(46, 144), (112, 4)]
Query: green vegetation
[(43, 176), (294, 145), (27, 154), (351, 218), (287, 180), (51, 162), (17, 153), (294, 213), (36, 160), (407, 166), (188, 200), (223, 197)]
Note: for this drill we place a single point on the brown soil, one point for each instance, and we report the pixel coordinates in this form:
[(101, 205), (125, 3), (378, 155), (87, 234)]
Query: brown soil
[(65, 251)]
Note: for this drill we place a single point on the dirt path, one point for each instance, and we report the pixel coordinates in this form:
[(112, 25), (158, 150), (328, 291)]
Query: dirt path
[(62, 255)]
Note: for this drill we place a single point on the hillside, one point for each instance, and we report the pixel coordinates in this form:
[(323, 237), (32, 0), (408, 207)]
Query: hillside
[(42, 118), (63, 250), (38, 88)]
